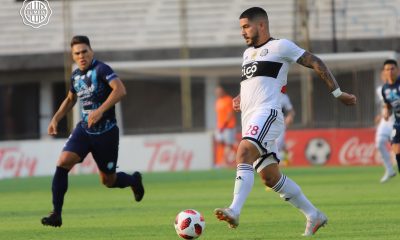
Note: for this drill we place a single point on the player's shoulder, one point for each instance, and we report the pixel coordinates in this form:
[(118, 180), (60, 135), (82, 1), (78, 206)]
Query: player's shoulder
[(99, 64), (283, 44), (102, 67)]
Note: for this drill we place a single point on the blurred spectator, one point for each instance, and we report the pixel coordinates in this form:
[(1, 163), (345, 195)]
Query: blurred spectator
[(225, 133)]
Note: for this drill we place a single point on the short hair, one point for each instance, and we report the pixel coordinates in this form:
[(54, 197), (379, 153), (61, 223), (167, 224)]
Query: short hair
[(253, 13), (390, 61), (80, 39)]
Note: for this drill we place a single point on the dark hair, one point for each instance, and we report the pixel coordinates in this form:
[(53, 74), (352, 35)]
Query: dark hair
[(390, 61), (253, 13), (80, 39)]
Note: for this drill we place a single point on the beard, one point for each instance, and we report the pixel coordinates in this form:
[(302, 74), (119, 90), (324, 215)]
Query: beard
[(251, 41)]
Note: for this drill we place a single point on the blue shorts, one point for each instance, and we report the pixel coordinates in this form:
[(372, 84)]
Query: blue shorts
[(104, 147), (395, 135)]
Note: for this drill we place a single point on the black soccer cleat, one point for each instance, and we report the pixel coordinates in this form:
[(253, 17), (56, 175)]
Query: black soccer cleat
[(137, 187), (53, 220)]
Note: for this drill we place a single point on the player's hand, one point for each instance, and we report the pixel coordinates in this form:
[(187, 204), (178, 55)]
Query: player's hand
[(348, 99), (236, 103), (94, 117), (52, 128)]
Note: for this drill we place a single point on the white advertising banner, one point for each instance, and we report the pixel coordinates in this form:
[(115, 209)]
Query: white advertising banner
[(145, 153)]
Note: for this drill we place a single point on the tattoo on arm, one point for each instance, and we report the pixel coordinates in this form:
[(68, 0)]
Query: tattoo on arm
[(311, 61)]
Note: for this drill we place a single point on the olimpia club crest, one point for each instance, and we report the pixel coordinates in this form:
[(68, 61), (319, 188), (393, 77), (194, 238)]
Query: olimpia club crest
[(35, 13)]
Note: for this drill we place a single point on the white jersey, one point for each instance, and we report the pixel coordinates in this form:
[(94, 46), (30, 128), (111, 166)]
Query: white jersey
[(264, 74)]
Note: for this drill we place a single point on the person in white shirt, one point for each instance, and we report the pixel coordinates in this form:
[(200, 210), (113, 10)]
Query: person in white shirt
[(264, 75), (288, 114), (382, 138)]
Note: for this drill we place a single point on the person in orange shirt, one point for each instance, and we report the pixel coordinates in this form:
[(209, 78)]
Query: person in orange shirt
[(225, 132)]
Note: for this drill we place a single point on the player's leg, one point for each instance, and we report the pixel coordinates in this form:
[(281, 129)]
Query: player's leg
[(105, 153), (244, 182), (291, 192), (381, 142), (396, 145), (75, 150), (219, 149), (268, 169), (282, 152), (229, 150), (250, 148), (396, 150)]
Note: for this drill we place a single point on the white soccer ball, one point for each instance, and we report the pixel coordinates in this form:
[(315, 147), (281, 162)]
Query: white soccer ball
[(318, 151), (189, 224)]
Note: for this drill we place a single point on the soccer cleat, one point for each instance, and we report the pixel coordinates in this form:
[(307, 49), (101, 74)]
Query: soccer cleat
[(226, 214), (53, 220), (137, 188), (313, 224), (387, 176)]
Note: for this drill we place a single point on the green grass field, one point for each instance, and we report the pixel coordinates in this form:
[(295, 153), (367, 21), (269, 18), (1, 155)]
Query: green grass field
[(357, 205)]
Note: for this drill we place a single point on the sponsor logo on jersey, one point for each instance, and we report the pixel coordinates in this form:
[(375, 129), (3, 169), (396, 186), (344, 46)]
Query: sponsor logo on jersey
[(261, 68)]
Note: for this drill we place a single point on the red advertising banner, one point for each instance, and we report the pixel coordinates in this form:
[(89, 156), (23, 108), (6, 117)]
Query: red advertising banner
[(332, 147)]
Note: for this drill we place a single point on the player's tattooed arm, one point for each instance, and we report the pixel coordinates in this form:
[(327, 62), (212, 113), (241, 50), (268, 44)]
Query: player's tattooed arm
[(311, 61)]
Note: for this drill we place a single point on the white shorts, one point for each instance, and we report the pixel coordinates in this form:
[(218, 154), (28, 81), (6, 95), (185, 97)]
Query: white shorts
[(227, 136), (384, 129), (262, 128)]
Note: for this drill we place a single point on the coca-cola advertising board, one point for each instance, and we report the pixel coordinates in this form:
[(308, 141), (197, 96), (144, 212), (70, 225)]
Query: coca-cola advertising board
[(332, 147)]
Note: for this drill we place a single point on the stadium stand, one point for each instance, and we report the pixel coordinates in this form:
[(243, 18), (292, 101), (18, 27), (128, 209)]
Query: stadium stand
[(132, 33)]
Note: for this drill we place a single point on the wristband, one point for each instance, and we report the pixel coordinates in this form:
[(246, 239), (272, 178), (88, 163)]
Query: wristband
[(337, 92)]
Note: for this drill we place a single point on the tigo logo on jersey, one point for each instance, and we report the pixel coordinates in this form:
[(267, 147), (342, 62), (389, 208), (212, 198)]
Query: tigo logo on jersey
[(249, 69), (35, 13)]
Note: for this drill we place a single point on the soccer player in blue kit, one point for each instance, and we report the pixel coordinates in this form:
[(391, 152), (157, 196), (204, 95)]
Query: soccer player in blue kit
[(99, 89), (391, 98)]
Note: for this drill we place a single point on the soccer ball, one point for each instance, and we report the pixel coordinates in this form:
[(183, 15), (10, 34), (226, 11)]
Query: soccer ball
[(189, 224), (318, 151)]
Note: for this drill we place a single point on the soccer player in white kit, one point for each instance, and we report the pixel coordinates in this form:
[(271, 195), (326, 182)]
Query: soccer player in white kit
[(382, 138), (264, 76), (288, 113)]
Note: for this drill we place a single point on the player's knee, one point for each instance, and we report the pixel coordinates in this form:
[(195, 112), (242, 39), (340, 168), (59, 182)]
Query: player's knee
[(269, 180), (247, 153), (66, 162), (379, 143)]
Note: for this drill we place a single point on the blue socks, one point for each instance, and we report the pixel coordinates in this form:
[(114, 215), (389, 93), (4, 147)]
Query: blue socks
[(123, 180), (59, 188)]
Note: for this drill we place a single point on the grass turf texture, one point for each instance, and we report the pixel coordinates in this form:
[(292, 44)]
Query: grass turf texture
[(357, 205)]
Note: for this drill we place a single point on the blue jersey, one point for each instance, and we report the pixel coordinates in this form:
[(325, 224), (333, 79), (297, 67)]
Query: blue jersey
[(92, 88), (391, 96)]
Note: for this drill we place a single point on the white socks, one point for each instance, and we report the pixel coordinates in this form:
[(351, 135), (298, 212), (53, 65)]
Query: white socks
[(291, 192), (287, 189), (243, 185), (381, 145)]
